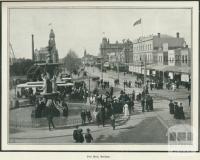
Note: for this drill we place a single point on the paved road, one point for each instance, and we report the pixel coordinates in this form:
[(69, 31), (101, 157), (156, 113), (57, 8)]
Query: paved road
[(149, 130), (179, 94)]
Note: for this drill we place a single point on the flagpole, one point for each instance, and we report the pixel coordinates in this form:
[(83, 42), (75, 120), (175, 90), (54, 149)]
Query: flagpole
[(142, 26)]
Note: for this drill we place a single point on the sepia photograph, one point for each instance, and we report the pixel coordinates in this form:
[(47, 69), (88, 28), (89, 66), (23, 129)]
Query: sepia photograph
[(99, 76)]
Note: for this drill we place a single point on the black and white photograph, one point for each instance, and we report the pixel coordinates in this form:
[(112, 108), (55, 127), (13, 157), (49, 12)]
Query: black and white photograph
[(94, 76)]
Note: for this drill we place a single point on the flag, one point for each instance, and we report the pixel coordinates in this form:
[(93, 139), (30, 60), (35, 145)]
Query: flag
[(137, 22)]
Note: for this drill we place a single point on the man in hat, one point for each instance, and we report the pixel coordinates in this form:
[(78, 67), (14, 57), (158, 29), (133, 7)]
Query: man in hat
[(176, 110), (112, 118), (75, 134), (189, 99), (50, 113), (89, 116), (83, 116), (80, 138), (65, 109), (103, 115), (171, 107), (88, 136), (133, 95), (143, 103), (181, 112)]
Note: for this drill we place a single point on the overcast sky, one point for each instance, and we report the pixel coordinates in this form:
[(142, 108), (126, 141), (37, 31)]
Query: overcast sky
[(80, 29)]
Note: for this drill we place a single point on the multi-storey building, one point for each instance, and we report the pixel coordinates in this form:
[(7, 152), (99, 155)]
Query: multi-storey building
[(161, 53), (88, 59), (49, 53), (125, 48), (41, 55), (147, 46)]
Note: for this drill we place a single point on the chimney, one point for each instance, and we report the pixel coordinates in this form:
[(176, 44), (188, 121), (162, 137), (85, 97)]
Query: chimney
[(33, 47), (158, 35), (177, 35)]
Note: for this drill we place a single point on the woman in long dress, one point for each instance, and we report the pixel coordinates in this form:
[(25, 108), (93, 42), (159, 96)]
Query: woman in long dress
[(125, 110)]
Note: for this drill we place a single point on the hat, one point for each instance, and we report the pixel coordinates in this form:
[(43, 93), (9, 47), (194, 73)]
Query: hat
[(88, 129)]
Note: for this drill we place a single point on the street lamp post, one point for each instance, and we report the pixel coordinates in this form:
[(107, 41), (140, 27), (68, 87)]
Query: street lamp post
[(89, 84), (124, 81), (145, 70), (15, 87), (118, 70), (101, 68)]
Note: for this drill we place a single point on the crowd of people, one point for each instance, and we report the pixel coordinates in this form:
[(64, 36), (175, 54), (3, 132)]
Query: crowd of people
[(176, 109), (103, 84), (108, 106)]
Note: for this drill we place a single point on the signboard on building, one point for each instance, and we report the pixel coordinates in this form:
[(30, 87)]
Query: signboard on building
[(142, 70), (137, 69), (153, 73), (184, 77), (171, 76), (131, 69), (148, 72)]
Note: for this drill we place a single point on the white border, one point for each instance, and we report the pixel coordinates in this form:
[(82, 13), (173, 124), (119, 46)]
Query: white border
[(115, 147)]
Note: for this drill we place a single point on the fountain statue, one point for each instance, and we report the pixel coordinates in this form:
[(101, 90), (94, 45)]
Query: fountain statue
[(50, 68)]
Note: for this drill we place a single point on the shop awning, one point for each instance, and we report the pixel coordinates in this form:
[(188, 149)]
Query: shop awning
[(166, 68)]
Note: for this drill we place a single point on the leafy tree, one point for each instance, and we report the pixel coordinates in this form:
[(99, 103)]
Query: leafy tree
[(20, 67), (72, 62)]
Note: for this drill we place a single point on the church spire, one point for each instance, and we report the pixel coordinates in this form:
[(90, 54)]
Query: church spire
[(52, 34), (85, 52)]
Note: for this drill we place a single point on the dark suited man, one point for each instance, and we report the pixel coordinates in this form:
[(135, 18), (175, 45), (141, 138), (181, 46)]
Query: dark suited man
[(143, 103), (103, 115), (50, 113), (171, 107)]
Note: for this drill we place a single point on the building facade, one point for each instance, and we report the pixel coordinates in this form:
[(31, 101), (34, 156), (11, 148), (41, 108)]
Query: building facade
[(41, 55), (163, 54), (88, 59), (123, 51)]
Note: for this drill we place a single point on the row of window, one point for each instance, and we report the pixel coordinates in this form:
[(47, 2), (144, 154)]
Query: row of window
[(160, 58), (183, 60), (141, 57), (143, 47)]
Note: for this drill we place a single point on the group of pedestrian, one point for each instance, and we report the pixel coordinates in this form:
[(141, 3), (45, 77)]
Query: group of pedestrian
[(138, 83), (147, 103), (78, 135), (128, 83), (103, 84), (86, 114), (176, 109), (78, 92)]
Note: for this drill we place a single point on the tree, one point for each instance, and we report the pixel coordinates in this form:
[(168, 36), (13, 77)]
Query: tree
[(20, 67), (72, 62)]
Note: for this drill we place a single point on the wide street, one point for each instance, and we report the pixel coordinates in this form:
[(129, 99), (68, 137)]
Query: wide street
[(147, 127)]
